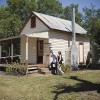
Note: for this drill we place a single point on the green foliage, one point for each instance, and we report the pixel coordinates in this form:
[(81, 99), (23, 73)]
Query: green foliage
[(92, 23), (10, 26), (4, 13), (16, 69), (9, 23), (22, 8), (67, 14), (65, 68), (14, 15), (50, 7), (5, 48), (96, 32)]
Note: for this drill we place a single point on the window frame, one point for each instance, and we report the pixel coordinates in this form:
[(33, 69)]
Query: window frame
[(33, 21)]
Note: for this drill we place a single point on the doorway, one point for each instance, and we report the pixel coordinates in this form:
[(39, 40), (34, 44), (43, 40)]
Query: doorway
[(81, 52), (39, 51)]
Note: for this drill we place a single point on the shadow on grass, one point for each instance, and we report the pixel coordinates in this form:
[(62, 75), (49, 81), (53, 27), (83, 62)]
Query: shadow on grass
[(79, 87)]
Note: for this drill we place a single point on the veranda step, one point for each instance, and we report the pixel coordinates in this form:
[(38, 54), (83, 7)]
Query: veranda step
[(32, 71), (42, 66), (44, 71), (38, 68), (32, 68)]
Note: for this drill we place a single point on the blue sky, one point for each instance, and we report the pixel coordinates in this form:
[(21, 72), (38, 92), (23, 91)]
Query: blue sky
[(81, 3), (2, 2)]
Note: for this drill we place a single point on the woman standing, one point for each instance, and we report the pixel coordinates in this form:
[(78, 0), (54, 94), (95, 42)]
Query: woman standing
[(59, 61)]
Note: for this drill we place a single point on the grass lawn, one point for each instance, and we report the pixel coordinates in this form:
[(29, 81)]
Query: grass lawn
[(79, 85)]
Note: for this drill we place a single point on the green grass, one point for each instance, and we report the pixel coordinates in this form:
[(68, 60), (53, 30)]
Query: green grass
[(80, 85)]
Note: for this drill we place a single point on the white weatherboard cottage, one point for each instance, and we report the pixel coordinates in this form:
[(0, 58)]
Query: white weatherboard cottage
[(43, 33)]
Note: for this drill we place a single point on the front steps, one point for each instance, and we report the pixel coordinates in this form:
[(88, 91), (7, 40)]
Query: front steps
[(44, 71), (31, 70), (38, 69)]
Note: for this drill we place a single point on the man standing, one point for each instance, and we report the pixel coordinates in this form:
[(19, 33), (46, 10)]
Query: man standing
[(53, 62)]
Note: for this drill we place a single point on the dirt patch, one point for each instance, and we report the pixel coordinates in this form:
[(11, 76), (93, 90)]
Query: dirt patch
[(37, 74), (2, 73)]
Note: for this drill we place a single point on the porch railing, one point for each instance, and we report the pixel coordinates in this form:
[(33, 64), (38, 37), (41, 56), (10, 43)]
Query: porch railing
[(8, 59)]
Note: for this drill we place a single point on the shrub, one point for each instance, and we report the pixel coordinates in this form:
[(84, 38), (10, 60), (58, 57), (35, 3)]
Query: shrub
[(16, 69), (65, 68)]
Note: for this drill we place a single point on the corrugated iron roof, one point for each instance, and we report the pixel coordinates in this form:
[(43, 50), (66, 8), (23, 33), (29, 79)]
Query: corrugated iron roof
[(59, 24)]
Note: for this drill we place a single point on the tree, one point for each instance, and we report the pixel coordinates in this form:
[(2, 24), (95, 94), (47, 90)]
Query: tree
[(92, 23), (10, 26), (67, 14), (50, 7), (22, 8), (14, 15), (4, 13)]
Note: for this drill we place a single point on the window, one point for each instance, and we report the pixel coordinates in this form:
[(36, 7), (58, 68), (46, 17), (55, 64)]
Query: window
[(33, 21)]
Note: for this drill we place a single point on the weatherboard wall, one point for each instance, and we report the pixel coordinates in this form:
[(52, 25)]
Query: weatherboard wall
[(61, 41), (31, 50), (46, 51), (40, 27)]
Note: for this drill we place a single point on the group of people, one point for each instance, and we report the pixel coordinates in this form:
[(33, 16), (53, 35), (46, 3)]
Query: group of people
[(56, 63)]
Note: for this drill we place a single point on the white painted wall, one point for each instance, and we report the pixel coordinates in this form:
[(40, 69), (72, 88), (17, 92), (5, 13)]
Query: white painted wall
[(81, 53), (23, 49), (38, 33), (32, 53), (58, 42), (31, 50), (46, 52), (61, 41), (40, 27)]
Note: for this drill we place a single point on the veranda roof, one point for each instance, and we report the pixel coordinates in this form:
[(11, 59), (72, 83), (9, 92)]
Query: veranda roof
[(38, 35)]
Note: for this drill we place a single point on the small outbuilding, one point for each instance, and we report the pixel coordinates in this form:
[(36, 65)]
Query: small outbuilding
[(43, 33)]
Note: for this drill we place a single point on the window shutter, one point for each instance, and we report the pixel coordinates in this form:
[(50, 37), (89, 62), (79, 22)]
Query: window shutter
[(33, 21)]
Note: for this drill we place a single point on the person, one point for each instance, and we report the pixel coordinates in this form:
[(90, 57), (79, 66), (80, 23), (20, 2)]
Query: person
[(53, 63), (59, 61), (89, 59)]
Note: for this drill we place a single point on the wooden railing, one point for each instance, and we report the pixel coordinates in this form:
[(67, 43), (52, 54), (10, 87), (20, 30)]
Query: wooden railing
[(8, 59)]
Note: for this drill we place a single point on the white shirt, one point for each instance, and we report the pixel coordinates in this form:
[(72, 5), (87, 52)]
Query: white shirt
[(53, 58)]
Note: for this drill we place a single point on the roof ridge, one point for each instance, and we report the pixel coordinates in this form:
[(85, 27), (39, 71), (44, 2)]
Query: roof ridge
[(59, 23), (51, 16)]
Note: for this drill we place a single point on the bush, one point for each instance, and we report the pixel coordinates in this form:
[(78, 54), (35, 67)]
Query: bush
[(65, 68), (16, 69)]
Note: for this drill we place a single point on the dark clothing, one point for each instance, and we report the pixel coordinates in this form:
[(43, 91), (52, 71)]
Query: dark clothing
[(54, 68), (60, 62), (59, 59), (53, 63)]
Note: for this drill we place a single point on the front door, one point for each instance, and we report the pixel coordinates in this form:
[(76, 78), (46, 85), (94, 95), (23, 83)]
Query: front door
[(39, 51), (81, 53)]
